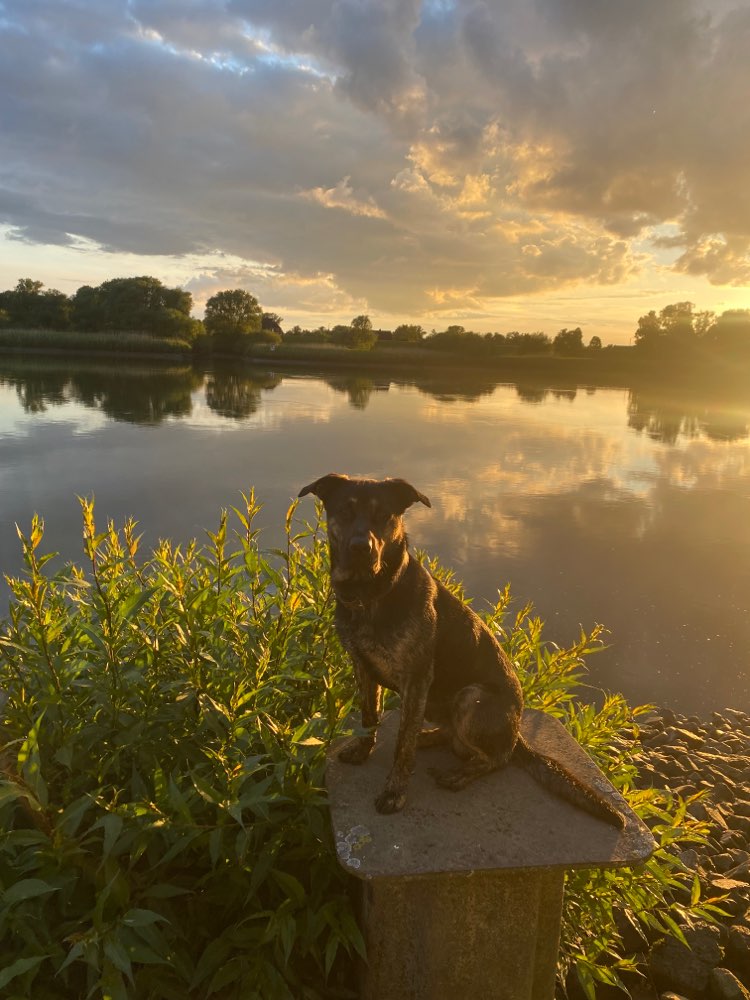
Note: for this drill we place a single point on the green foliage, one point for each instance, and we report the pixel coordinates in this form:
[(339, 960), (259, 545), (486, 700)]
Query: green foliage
[(658, 894), (360, 337), (29, 307), (265, 337), (90, 343), (163, 825), (141, 304), (569, 342), (730, 334), (230, 316), (362, 322), (409, 333), (299, 336), (164, 830), (677, 329)]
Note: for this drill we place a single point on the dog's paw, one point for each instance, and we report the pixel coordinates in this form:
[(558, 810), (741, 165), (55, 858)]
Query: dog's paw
[(356, 752), (454, 779), (390, 802)]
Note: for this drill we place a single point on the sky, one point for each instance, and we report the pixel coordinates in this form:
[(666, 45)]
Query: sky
[(508, 165)]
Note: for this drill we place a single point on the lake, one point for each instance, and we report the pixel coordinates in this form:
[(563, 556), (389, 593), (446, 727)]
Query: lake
[(622, 506)]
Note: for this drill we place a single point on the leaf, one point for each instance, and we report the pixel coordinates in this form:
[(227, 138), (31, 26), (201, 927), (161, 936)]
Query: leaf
[(112, 824), (133, 605), (291, 887), (695, 893), (18, 968), (205, 790), (29, 762), (165, 891), (142, 918), (118, 956), (10, 791), (27, 888), (229, 973), (332, 947)]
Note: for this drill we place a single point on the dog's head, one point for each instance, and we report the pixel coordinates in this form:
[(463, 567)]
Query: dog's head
[(365, 529)]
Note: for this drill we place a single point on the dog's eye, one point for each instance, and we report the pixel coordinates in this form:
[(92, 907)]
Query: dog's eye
[(381, 517), (346, 513)]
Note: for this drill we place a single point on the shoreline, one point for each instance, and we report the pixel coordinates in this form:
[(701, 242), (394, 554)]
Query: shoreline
[(610, 367), (688, 755)]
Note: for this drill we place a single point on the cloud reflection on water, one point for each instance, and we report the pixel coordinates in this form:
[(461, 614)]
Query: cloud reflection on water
[(601, 505)]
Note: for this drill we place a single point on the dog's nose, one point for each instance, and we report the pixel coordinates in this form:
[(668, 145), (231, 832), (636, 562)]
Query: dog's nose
[(360, 545)]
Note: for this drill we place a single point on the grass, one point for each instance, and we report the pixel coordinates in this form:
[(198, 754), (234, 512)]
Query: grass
[(163, 823), (69, 341)]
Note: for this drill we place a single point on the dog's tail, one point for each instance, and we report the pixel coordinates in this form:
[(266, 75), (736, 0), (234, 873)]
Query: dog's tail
[(556, 778)]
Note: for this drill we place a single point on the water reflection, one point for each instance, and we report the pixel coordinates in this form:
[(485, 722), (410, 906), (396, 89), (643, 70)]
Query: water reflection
[(626, 506), (358, 388), (124, 392), (237, 396), (666, 419)]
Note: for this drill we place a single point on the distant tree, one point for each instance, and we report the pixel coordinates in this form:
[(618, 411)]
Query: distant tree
[(361, 323), (527, 343), (457, 339), (268, 337), (568, 342), (176, 325), (297, 335), (730, 333), (231, 316), (595, 344), (649, 331), (272, 321), (360, 337), (27, 286), (28, 307), (87, 310), (142, 304), (677, 323), (409, 333), (677, 328)]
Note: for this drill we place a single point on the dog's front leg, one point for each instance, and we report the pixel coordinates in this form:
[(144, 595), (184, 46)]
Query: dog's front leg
[(413, 701), (370, 695)]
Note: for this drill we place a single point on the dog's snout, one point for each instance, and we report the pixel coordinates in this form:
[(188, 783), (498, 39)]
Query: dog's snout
[(360, 545)]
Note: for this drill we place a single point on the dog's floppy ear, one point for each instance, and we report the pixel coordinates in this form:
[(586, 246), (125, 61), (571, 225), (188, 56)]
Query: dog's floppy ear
[(325, 487), (401, 495)]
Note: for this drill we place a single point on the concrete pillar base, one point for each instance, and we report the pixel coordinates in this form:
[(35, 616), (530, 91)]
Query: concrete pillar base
[(482, 936)]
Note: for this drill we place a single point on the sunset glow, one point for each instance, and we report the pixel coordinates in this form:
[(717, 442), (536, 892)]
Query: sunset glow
[(507, 166)]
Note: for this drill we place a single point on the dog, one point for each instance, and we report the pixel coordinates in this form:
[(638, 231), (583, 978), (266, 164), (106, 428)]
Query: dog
[(404, 630)]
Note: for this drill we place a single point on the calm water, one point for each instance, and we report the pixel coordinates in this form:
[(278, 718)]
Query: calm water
[(614, 506)]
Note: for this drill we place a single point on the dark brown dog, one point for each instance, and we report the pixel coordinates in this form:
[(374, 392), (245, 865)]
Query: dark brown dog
[(405, 631)]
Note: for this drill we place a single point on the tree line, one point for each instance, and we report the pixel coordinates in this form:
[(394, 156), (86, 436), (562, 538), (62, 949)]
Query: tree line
[(681, 330), (234, 321)]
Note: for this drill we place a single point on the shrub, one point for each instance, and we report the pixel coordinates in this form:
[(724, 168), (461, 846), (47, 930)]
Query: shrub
[(163, 826)]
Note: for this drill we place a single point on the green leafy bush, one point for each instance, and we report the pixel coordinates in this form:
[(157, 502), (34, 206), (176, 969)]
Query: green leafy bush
[(163, 825)]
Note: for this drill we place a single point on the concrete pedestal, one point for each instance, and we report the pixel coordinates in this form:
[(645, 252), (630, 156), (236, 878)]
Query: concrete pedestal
[(461, 892)]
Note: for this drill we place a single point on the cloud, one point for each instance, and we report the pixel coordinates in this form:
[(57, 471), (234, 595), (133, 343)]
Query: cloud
[(405, 157), (342, 196)]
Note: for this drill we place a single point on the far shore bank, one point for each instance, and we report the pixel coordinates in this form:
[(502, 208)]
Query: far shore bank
[(614, 366)]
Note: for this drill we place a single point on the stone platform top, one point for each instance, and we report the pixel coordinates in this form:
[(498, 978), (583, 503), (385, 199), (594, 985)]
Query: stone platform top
[(504, 820)]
